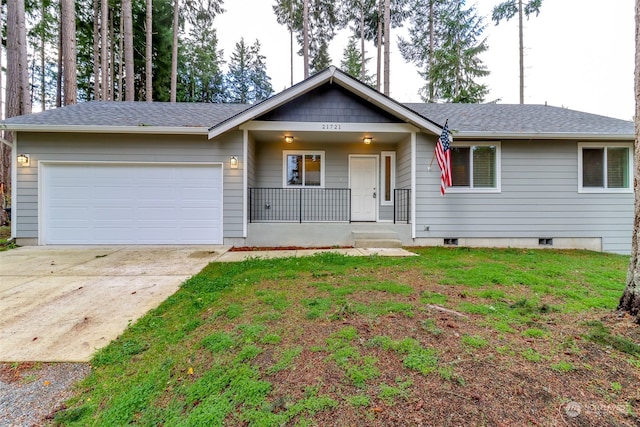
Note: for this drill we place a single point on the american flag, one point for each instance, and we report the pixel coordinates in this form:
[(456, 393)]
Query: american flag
[(443, 155)]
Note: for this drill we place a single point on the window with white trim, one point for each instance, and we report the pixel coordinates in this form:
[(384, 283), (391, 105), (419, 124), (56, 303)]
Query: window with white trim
[(388, 177), (475, 167), (604, 167), (303, 168)]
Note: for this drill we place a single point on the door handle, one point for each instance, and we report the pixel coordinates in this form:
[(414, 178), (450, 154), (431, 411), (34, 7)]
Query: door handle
[(374, 194)]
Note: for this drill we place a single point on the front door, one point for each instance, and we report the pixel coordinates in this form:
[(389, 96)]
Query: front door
[(363, 178)]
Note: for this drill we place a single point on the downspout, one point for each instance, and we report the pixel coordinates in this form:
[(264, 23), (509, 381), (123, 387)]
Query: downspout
[(413, 185)]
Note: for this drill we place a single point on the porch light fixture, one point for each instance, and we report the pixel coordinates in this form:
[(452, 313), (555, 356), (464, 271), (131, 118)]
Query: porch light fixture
[(233, 162), (24, 160), (288, 139), (367, 140)]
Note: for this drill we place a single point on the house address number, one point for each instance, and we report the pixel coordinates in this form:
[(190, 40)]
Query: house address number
[(331, 126)]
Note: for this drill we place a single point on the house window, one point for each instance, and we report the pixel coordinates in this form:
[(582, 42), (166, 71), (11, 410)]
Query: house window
[(388, 178), (604, 168), (475, 167), (303, 168)]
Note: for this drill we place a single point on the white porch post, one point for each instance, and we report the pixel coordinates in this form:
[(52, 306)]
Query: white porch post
[(245, 177), (413, 185)]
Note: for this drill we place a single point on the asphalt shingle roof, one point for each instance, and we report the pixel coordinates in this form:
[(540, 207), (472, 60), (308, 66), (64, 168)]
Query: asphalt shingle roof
[(100, 113), (469, 118), (516, 118)]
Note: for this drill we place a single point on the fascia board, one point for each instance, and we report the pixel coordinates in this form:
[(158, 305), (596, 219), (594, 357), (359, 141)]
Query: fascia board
[(108, 129), (542, 135)]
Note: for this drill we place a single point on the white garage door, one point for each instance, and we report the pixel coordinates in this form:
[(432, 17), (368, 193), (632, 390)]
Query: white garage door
[(102, 203)]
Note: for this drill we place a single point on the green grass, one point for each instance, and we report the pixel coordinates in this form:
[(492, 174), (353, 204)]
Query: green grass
[(221, 349)]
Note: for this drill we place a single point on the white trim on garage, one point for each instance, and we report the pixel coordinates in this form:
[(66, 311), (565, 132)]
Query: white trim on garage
[(156, 202)]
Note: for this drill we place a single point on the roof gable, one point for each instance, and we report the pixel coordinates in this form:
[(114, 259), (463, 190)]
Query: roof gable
[(332, 104), (329, 76)]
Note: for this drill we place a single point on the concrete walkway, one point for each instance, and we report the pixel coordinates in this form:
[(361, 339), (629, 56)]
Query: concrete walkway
[(62, 303)]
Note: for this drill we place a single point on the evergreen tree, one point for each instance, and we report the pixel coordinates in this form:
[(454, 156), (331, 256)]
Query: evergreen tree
[(262, 87), (448, 51), (323, 23), (199, 75), (352, 63), (239, 75), (247, 80)]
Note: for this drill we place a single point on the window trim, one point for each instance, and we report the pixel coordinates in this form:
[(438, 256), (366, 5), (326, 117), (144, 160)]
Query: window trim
[(303, 153), (604, 188), (392, 182), (470, 144)]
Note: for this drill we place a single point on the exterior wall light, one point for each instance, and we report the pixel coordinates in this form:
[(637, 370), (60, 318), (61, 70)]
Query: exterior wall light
[(288, 139), (367, 140), (233, 162), (24, 160)]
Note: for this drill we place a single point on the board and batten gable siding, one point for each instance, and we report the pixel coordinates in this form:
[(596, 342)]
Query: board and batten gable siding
[(329, 103), (74, 147), (538, 199)]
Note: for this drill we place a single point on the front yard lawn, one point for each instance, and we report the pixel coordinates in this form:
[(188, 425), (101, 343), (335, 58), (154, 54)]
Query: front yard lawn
[(453, 337)]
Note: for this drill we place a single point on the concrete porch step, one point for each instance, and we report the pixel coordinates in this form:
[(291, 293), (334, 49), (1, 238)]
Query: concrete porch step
[(377, 243), (376, 239)]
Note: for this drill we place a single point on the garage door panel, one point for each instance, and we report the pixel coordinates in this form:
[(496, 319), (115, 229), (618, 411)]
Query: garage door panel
[(132, 204)]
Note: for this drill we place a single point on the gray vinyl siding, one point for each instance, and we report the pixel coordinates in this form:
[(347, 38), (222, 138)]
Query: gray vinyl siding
[(403, 164), (127, 148), (539, 199)]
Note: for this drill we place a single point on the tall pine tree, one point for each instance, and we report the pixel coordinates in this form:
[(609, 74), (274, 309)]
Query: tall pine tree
[(247, 80), (445, 41)]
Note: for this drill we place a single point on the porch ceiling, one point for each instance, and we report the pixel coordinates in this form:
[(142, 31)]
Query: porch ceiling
[(329, 137)]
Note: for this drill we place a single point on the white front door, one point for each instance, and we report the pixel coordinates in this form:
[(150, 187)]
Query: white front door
[(363, 178)]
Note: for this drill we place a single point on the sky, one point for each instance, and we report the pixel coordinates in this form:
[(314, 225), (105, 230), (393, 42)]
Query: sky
[(579, 54)]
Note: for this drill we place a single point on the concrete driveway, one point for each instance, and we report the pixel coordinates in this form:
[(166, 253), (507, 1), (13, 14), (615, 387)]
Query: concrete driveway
[(62, 303)]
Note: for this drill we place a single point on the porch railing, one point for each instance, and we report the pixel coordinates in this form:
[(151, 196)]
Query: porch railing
[(402, 205), (299, 205)]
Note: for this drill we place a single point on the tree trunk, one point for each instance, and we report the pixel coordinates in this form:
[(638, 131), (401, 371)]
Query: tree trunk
[(363, 72), (116, 83), (5, 152), (17, 96), (174, 53), (432, 33), (387, 45), (129, 84), (96, 50), (379, 62), (305, 36), (68, 20), (104, 53), (521, 37), (291, 38), (148, 77), (59, 73), (43, 88), (630, 301)]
